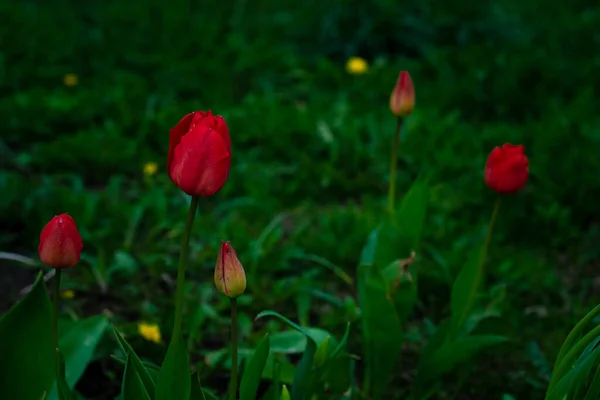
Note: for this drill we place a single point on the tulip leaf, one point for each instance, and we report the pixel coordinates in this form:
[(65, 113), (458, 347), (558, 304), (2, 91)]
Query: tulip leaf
[(63, 387), (293, 341), (197, 393), (254, 370), (464, 291), (77, 344), (132, 386), (26, 348), (303, 378), (285, 394), (137, 363), (410, 217), (382, 330), (575, 377), (593, 392), (173, 381)]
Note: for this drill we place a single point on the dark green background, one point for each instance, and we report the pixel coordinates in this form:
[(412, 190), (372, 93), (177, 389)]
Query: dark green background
[(310, 161)]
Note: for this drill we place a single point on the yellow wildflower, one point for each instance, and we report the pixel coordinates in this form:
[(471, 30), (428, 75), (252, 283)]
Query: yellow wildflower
[(150, 168), (357, 66), (67, 294), (150, 332), (71, 80)]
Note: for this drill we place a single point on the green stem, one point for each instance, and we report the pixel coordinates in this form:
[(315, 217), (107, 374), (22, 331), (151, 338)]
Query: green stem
[(393, 161), (488, 235), (55, 298), (183, 257), (234, 351)]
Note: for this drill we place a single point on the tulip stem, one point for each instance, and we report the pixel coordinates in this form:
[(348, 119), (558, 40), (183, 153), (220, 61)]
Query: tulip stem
[(183, 257), (234, 350), (393, 160), (488, 235), (56, 287)]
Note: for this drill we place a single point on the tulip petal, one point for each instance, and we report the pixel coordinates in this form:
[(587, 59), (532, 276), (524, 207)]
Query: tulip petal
[(201, 163), (176, 133), (60, 243)]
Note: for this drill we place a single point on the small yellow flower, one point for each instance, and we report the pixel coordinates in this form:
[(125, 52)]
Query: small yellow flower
[(150, 332), (357, 66), (150, 168), (67, 294), (71, 80)]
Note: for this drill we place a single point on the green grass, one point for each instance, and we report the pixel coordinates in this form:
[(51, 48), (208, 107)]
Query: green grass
[(310, 161)]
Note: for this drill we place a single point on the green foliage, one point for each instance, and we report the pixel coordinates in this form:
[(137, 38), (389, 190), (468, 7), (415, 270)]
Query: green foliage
[(27, 368), (174, 380), (254, 369), (307, 187), (133, 388)]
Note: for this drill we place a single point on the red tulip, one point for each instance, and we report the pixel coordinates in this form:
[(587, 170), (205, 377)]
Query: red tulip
[(60, 243), (199, 154), (402, 100), (507, 169), (230, 278)]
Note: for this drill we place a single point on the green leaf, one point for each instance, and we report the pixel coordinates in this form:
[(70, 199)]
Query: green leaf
[(402, 286), (464, 291), (593, 392), (174, 378), (63, 387), (413, 210), (293, 341), (77, 345), (286, 370), (322, 353), (285, 394), (568, 383), (288, 322), (449, 356), (303, 379), (26, 348), (573, 357), (254, 370), (382, 330), (132, 387), (140, 369), (343, 342), (337, 374), (197, 392), (570, 341)]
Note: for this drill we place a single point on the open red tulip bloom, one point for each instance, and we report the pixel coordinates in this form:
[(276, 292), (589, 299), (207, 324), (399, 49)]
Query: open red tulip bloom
[(60, 243), (199, 154), (507, 168)]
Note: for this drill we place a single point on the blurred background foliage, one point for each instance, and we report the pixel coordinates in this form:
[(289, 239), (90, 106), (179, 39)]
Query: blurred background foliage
[(89, 91)]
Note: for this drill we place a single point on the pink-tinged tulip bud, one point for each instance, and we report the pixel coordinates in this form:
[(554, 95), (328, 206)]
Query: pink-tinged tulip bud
[(230, 277), (199, 154), (507, 168), (60, 243), (402, 100)]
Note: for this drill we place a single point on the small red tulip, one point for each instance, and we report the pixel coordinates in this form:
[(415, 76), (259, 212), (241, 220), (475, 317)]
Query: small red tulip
[(507, 168), (402, 100), (199, 154), (230, 278), (60, 243)]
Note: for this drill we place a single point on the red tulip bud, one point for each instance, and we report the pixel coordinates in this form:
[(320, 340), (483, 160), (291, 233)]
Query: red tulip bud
[(402, 100), (507, 168), (60, 243), (199, 154), (230, 277)]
